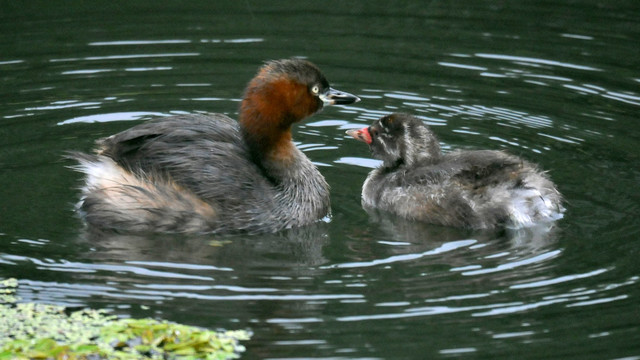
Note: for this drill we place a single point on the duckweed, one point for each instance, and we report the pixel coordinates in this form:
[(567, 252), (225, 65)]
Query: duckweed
[(38, 331)]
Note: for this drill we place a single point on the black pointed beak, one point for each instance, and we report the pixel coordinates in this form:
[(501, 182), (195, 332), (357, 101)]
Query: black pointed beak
[(337, 97)]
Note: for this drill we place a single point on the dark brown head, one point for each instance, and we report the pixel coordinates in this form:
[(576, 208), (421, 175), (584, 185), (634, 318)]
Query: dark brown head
[(398, 139), (282, 93)]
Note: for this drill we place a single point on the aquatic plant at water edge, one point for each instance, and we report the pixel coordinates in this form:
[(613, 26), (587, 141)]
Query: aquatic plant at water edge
[(40, 331)]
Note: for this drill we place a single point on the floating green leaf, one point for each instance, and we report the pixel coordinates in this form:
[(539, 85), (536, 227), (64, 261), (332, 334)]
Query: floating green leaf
[(37, 331)]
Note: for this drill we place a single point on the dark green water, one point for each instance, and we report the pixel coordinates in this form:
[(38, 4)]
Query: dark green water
[(557, 83)]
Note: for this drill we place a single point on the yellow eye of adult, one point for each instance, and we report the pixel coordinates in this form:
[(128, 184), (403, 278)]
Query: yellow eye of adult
[(315, 89)]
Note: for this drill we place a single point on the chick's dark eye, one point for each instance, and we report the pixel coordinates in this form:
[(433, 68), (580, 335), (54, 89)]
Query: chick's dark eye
[(374, 131)]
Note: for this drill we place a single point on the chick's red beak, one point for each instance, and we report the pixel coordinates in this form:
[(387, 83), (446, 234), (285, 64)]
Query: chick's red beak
[(362, 135)]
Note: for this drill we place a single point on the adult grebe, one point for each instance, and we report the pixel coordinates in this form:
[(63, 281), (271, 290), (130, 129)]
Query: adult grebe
[(209, 173)]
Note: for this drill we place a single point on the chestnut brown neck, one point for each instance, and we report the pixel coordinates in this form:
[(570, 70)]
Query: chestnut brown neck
[(268, 110)]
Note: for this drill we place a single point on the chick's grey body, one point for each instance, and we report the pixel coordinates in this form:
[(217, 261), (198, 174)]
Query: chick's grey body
[(202, 155), (481, 189)]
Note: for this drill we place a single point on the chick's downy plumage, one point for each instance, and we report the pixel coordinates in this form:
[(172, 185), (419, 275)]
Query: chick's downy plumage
[(482, 189)]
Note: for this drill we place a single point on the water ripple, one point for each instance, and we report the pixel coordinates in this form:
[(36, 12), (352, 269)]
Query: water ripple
[(247, 297), (450, 246), (515, 264), (537, 61), (70, 266), (63, 104), (138, 42), (125, 56), (180, 265), (418, 312), (558, 280), (11, 62), (462, 66), (358, 161), (585, 297), (117, 116), (577, 36), (240, 289)]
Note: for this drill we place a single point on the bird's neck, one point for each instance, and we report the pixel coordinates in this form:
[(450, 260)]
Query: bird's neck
[(267, 134), (268, 110)]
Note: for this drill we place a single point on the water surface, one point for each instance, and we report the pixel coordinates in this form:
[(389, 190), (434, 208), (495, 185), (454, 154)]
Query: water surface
[(556, 83)]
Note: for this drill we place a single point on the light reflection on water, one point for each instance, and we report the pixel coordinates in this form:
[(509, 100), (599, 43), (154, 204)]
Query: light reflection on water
[(358, 285)]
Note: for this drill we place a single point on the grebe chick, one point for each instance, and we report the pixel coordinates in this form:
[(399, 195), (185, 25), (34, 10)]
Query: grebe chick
[(481, 189), (209, 173)]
